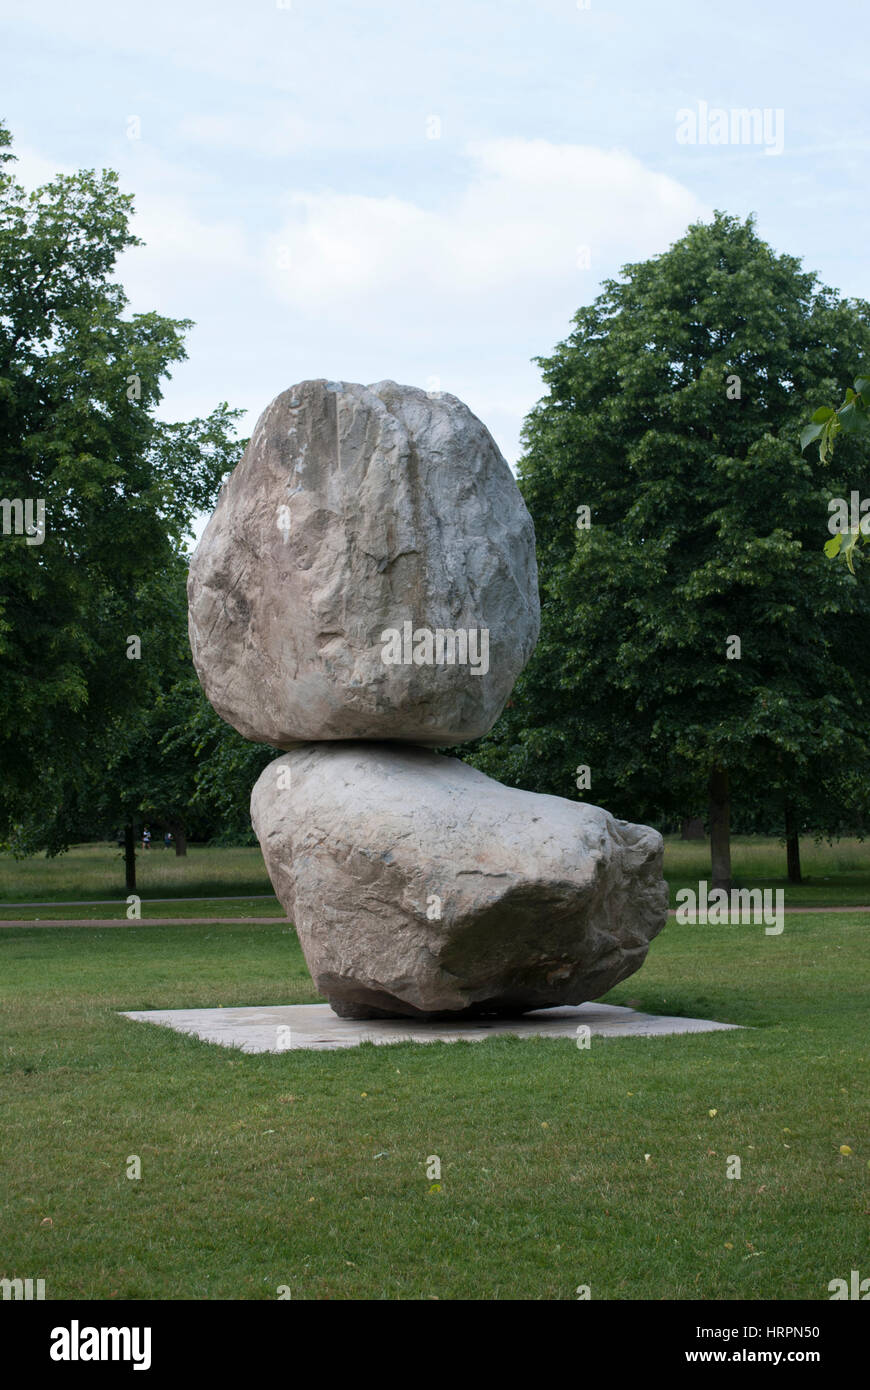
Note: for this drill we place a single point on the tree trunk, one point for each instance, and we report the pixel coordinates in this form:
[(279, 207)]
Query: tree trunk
[(720, 828), (130, 858), (692, 828), (792, 847), (179, 835)]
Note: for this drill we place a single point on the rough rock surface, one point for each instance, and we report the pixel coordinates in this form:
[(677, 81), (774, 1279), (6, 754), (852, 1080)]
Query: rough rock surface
[(420, 887), (356, 510)]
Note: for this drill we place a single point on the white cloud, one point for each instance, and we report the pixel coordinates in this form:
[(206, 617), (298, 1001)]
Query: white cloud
[(182, 247), (519, 227), (191, 258), (361, 287), (465, 289)]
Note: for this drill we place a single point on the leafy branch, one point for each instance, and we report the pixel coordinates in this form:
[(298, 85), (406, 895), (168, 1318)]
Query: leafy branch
[(852, 416)]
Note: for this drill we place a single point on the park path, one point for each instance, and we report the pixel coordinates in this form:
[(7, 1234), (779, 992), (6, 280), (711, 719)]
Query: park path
[(264, 921)]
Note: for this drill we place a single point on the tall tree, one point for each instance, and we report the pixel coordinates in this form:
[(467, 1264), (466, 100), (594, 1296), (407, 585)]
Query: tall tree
[(80, 440), (695, 644)]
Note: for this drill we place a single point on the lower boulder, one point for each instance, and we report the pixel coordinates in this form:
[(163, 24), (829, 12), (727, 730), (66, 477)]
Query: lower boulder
[(422, 888)]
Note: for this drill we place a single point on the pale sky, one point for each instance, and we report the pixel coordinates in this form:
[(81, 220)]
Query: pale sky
[(428, 192)]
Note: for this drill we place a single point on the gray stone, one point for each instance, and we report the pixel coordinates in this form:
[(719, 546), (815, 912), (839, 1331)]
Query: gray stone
[(357, 511), (420, 887), (315, 1028)]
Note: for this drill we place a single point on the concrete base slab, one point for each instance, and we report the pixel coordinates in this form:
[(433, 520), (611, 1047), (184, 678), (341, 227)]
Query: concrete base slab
[(314, 1027)]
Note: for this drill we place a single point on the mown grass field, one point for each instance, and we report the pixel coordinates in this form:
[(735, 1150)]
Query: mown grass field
[(97, 871), (835, 875), (560, 1166)]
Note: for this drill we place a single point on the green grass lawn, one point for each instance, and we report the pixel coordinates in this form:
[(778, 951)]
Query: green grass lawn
[(835, 876), (97, 871), (560, 1167)]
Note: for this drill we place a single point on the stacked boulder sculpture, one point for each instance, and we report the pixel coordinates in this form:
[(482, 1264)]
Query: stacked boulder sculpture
[(366, 592)]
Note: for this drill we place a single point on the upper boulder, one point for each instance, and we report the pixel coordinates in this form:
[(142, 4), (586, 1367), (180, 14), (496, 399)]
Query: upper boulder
[(369, 572)]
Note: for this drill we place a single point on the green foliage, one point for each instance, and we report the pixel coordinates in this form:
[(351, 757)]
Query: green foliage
[(852, 416), (168, 759), (226, 768), (79, 387), (174, 761), (672, 412)]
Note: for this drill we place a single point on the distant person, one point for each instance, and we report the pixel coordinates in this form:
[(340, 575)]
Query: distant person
[(146, 838), (167, 839)]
